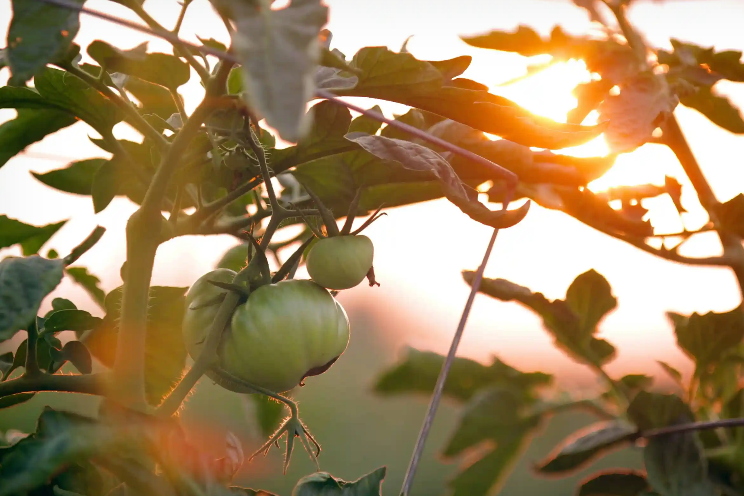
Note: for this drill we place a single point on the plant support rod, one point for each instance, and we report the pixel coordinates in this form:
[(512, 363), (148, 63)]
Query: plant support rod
[(439, 387)]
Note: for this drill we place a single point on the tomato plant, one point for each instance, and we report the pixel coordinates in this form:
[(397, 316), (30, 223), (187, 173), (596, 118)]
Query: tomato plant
[(256, 328)]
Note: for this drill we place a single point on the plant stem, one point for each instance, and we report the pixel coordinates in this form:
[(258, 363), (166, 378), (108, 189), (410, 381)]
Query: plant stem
[(439, 387), (130, 113), (88, 384), (32, 364), (179, 104), (692, 427)]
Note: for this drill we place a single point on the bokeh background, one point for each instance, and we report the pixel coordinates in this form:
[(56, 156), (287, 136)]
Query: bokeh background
[(421, 249)]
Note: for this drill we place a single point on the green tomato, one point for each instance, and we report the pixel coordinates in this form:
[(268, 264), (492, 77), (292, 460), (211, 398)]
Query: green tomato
[(340, 262), (283, 333)]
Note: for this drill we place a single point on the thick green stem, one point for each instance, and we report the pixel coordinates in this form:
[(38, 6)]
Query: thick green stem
[(143, 238), (32, 364)]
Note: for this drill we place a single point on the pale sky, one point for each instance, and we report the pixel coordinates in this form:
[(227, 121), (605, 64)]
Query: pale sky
[(421, 249)]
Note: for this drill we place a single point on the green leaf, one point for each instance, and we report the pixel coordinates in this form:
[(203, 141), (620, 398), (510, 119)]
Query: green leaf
[(451, 68), (279, 52), (39, 33), (673, 372), (324, 484), (31, 238), (236, 258), (615, 484), (676, 466), (62, 90), (30, 126), (6, 362), (726, 64), (488, 474), (326, 137), (494, 414), (116, 178), (652, 410), (717, 108), (154, 99), (157, 68), (644, 102), (367, 125), (572, 322), (385, 74), (76, 353), (24, 283), (89, 282), (586, 446), (165, 352), (707, 338), (419, 159), (419, 371), (70, 320), (61, 439), (76, 178)]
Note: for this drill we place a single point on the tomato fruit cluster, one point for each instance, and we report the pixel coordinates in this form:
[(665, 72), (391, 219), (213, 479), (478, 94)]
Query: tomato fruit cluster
[(280, 335)]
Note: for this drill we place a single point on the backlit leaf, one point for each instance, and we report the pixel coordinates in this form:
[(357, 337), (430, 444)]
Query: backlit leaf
[(614, 484), (279, 51), (24, 283), (38, 34), (706, 338), (30, 126), (76, 178), (31, 238), (88, 281), (157, 68)]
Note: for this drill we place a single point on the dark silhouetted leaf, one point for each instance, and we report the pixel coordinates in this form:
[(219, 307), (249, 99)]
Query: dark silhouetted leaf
[(165, 353), (89, 282), (13, 400), (419, 372), (585, 446), (70, 320), (673, 372), (324, 484), (279, 52), (706, 338), (676, 466), (31, 238), (76, 353), (717, 108), (158, 68), (614, 484), (572, 322), (30, 126), (24, 283), (589, 96), (77, 178), (39, 33), (731, 214), (651, 410)]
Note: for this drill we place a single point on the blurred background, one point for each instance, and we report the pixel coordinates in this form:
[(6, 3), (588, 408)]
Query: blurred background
[(420, 250)]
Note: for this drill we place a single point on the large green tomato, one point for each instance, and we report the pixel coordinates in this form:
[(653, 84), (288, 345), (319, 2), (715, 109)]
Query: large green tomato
[(283, 333), (340, 262)]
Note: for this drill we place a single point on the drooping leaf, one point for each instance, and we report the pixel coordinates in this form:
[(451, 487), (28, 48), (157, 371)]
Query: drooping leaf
[(30, 126), (585, 446), (24, 282), (643, 104), (717, 108), (89, 282), (165, 352), (676, 466), (572, 322), (324, 484), (420, 159), (279, 51), (157, 68), (419, 371), (76, 178), (706, 338), (31, 238), (38, 33), (614, 484)]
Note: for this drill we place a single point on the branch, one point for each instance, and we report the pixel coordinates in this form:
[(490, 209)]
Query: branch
[(131, 114), (88, 384), (692, 427)]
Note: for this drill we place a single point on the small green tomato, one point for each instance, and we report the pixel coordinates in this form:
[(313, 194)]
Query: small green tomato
[(340, 262), (282, 334)]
